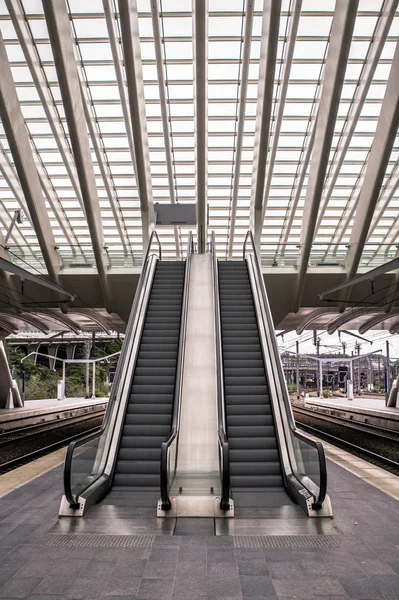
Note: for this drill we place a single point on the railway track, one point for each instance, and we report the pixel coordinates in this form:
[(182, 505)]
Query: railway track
[(22, 445), (372, 443)]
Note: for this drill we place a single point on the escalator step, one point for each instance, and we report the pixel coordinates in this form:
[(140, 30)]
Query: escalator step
[(150, 405), (259, 469)]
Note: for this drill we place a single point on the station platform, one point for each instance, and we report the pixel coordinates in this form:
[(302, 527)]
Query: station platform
[(40, 411), (363, 410), (271, 553)]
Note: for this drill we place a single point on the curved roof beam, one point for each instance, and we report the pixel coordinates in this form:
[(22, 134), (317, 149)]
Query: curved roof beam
[(292, 34), (7, 326), (314, 315), (348, 316), (128, 16), (246, 56), (30, 319), (58, 318), (62, 43), (384, 139), (395, 328), (267, 67), (94, 316), (156, 25), (374, 321), (21, 149), (365, 79), (337, 59)]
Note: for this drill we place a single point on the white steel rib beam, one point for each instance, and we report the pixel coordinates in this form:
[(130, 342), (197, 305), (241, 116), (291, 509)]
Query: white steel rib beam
[(33, 61), (164, 111), (246, 56), (381, 149), (385, 198), (349, 315), (294, 21), (337, 57), (13, 183), (134, 75), (388, 267), (395, 328), (375, 321), (108, 183), (200, 41), (18, 139), (267, 66), (94, 316), (365, 79), (8, 327), (29, 319), (62, 45), (314, 315), (111, 19), (299, 186), (58, 318)]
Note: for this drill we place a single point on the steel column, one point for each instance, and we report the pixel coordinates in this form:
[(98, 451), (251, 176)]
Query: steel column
[(134, 74), (200, 40), (59, 27), (267, 66), (381, 149), (337, 58), (246, 55)]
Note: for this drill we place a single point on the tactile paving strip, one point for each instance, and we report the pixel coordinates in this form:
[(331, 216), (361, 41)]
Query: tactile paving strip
[(102, 541), (286, 541)]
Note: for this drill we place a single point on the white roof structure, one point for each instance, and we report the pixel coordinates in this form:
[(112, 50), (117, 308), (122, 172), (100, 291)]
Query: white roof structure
[(279, 116)]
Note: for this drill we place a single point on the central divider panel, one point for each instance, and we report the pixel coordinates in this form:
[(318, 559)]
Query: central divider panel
[(197, 481)]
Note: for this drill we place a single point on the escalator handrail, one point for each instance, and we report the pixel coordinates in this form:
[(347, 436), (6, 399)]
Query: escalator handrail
[(317, 445), (174, 431), (222, 435), (118, 373)]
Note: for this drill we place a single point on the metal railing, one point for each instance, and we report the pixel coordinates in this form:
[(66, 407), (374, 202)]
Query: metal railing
[(324, 255), (224, 464), (71, 497), (297, 443), (169, 446)]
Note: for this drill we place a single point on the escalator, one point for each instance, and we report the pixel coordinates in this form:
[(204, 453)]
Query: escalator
[(265, 462), (124, 462), (253, 450), (149, 409)]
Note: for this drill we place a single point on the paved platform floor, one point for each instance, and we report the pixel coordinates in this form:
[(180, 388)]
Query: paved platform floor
[(360, 560), (366, 403)]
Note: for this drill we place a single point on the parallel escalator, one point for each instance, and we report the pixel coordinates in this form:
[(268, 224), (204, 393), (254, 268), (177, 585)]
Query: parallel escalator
[(149, 409), (124, 461), (253, 450)]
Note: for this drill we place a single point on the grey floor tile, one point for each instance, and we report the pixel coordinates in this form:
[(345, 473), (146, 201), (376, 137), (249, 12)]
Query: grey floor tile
[(85, 589), (127, 585), (257, 585), (55, 584), (20, 587), (191, 568), (254, 567), (156, 569), (154, 589), (222, 569)]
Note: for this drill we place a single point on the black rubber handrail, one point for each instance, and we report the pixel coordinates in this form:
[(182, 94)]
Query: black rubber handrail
[(174, 431), (121, 363), (317, 445), (224, 463)]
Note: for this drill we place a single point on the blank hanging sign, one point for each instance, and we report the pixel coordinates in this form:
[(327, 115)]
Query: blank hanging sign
[(175, 214)]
